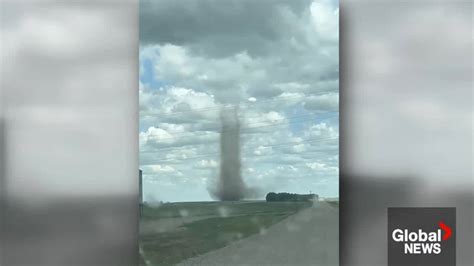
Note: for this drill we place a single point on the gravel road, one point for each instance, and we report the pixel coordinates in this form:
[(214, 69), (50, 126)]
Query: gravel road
[(310, 237)]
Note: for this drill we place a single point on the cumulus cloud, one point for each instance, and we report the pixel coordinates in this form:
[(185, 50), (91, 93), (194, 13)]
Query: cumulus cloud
[(322, 130), (157, 168), (325, 19), (215, 29), (207, 164)]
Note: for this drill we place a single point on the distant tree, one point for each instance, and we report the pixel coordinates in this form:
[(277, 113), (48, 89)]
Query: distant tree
[(285, 196), (271, 196)]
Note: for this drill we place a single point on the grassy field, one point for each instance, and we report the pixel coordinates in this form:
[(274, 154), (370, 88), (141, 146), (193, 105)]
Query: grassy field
[(199, 227)]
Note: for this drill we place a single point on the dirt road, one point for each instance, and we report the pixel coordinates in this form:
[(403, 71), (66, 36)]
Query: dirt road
[(310, 237)]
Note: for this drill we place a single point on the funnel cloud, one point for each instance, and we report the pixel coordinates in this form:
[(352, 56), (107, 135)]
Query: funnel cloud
[(230, 186)]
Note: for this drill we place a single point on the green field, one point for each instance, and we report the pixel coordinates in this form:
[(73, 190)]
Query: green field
[(174, 232)]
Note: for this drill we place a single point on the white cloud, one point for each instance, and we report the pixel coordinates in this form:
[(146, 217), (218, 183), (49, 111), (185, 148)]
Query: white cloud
[(155, 135), (325, 18), (157, 168), (318, 166), (299, 148), (262, 150), (207, 164), (322, 130)]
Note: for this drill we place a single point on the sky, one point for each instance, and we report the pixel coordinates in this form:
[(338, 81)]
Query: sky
[(276, 60)]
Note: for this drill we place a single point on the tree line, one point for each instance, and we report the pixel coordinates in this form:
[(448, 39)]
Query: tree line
[(285, 196)]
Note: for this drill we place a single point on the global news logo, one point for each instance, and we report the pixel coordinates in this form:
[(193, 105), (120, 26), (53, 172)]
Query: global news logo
[(421, 236), (421, 242)]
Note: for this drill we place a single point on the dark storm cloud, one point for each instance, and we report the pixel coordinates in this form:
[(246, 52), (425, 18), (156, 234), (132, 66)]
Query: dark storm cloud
[(261, 44), (219, 28)]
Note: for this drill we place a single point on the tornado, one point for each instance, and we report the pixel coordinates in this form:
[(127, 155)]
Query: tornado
[(230, 185)]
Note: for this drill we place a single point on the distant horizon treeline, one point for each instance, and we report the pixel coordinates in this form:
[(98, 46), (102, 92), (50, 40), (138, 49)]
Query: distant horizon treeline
[(285, 196)]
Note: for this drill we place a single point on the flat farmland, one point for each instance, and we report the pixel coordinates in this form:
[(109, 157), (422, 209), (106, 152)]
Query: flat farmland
[(174, 232)]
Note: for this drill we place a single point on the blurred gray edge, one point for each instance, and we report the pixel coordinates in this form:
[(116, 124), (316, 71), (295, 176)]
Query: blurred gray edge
[(69, 126)]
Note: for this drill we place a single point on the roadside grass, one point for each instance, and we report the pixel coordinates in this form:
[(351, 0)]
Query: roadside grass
[(333, 203), (180, 209), (242, 220)]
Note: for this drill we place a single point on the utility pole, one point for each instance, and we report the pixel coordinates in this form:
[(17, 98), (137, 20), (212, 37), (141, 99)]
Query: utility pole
[(140, 191)]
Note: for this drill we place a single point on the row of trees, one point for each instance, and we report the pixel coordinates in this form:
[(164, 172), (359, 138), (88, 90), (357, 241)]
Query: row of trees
[(284, 196)]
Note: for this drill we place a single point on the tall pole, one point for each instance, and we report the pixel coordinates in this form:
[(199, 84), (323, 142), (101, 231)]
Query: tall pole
[(140, 190)]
